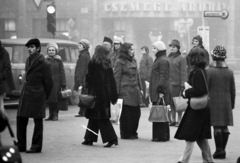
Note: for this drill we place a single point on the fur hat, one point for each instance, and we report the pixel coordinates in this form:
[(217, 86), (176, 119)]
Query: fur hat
[(175, 43), (33, 41), (219, 52), (107, 39), (117, 40), (199, 38), (52, 44), (85, 43), (159, 45)]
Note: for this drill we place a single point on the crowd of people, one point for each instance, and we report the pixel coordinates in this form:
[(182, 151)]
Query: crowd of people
[(113, 73)]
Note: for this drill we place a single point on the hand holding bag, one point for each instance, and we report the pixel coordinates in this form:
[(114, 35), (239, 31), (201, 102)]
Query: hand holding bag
[(65, 93), (10, 154), (159, 113), (198, 103), (180, 103)]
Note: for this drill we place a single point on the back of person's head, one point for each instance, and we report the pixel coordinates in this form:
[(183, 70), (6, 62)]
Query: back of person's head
[(100, 56), (125, 47), (219, 53), (197, 57), (145, 48)]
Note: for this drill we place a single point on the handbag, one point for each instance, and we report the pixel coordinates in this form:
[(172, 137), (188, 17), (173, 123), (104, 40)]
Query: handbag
[(198, 103), (87, 101), (180, 103), (10, 154), (159, 113), (65, 93)]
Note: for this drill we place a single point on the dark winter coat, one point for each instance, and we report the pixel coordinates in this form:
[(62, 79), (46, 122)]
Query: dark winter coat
[(128, 80), (6, 78), (59, 78), (195, 124), (222, 93), (114, 56), (145, 67), (160, 78), (102, 82), (81, 68), (37, 87)]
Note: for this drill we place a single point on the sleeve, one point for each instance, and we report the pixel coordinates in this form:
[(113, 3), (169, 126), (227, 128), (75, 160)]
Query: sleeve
[(48, 78), (139, 81), (118, 75), (198, 87), (183, 70), (6, 64), (62, 75), (149, 68), (163, 76), (113, 87), (233, 91)]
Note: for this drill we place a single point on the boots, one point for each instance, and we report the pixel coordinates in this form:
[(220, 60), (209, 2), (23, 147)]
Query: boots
[(50, 117), (220, 153), (55, 115), (225, 140)]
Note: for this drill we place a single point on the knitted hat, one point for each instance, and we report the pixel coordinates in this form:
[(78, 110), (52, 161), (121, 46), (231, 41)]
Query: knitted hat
[(199, 38), (33, 41), (117, 40), (219, 52), (175, 43), (52, 44), (159, 45), (85, 43), (107, 39)]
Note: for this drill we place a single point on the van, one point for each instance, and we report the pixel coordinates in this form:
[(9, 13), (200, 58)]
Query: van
[(18, 54)]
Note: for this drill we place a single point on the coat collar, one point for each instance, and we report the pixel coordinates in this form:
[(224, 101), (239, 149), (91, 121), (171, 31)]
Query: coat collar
[(57, 57), (218, 64), (36, 60), (174, 54), (160, 54)]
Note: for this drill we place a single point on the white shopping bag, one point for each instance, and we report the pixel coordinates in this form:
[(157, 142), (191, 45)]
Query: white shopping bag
[(116, 111)]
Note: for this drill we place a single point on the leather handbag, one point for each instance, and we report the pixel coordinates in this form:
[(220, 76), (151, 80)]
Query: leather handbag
[(180, 103), (10, 154), (87, 101), (159, 113), (199, 103)]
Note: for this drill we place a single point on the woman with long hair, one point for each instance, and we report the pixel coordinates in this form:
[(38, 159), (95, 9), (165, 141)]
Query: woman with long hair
[(100, 81), (195, 124), (129, 89)]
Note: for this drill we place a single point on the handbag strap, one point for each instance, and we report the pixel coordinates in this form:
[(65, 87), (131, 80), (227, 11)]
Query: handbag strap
[(205, 81), (158, 102), (11, 133)]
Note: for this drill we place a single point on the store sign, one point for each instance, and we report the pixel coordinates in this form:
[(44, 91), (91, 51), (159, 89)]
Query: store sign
[(192, 7), (222, 14)]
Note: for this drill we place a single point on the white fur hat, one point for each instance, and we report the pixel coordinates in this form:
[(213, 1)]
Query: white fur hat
[(117, 39), (52, 44), (159, 45)]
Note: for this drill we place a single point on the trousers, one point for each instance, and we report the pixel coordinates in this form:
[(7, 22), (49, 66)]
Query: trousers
[(203, 145)]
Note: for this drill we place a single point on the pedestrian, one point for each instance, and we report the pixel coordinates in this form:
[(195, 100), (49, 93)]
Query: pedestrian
[(145, 73), (100, 80), (195, 124), (197, 42), (117, 43), (59, 82), (6, 81), (81, 70), (129, 89), (32, 103), (107, 42), (222, 99), (178, 76), (160, 86)]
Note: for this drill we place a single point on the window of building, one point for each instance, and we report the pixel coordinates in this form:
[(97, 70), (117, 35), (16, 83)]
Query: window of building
[(10, 25), (61, 25)]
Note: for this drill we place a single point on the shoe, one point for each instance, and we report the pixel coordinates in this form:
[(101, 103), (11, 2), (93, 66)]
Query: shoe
[(79, 115), (49, 118), (131, 137), (172, 124), (111, 143), (135, 137), (177, 124), (159, 140), (87, 142), (33, 151)]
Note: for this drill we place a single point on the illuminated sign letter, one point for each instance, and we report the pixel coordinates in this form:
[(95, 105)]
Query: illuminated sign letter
[(146, 7), (157, 6)]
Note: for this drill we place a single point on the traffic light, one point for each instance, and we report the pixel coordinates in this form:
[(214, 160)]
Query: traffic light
[(51, 18)]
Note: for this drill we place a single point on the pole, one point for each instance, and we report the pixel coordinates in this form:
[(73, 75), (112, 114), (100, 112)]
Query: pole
[(203, 26)]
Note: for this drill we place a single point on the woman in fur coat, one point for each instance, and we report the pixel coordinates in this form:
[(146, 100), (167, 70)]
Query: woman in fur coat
[(59, 83)]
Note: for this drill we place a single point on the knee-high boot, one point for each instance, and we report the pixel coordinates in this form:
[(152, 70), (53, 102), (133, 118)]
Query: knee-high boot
[(225, 140), (50, 117), (219, 153), (55, 113)]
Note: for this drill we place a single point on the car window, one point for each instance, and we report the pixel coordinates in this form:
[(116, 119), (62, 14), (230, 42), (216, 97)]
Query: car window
[(9, 50), (20, 54), (74, 54), (64, 54)]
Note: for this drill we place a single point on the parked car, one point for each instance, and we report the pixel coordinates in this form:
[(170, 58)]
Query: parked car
[(18, 54)]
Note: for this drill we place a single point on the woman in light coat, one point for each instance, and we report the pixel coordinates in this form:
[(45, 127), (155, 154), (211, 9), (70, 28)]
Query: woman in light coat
[(222, 99)]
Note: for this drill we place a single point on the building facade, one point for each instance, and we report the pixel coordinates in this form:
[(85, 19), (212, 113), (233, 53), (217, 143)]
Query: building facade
[(137, 21)]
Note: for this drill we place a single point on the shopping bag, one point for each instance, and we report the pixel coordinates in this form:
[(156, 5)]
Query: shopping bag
[(116, 111), (159, 113), (180, 103)]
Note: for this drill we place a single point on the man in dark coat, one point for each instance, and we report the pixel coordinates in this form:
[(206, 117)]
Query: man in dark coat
[(35, 92), (81, 69), (107, 42), (6, 79)]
